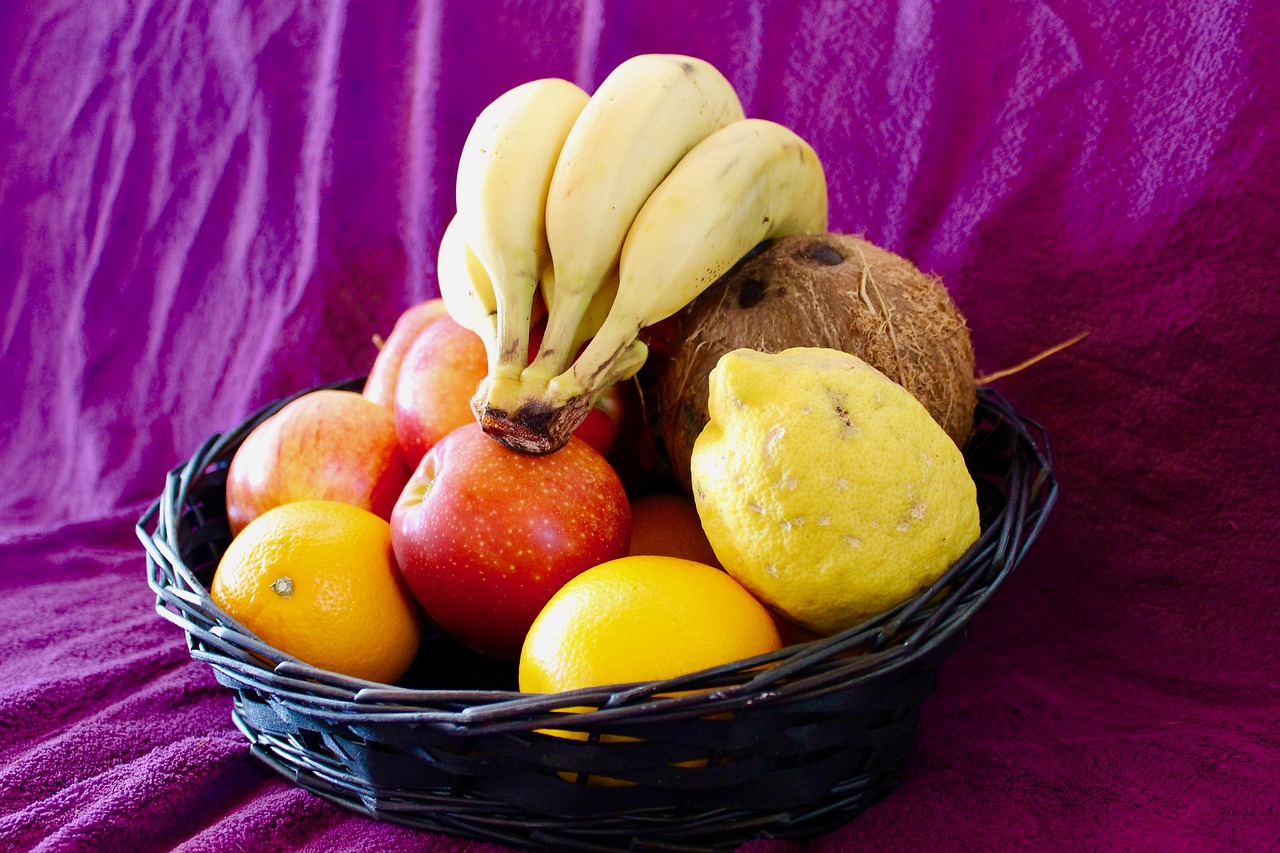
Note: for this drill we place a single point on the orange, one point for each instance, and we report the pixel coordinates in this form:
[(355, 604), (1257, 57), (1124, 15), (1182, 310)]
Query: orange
[(642, 618), (668, 526), (318, 580)]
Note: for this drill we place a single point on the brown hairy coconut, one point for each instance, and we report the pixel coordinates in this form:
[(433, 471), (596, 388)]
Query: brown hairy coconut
[(817, 290)]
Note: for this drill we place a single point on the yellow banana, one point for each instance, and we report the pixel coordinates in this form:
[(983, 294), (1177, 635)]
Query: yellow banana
[(644, 117), (503, 177), (466, 289), (751, 181)]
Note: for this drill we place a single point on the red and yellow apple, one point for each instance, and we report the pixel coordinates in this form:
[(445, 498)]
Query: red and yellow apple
[(437, 379), (484, 536), (380, 386), (326, 445)]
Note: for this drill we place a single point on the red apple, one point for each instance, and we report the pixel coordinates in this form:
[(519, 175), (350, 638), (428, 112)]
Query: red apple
[(437, 379), (326, 445), (484, 536), (380, 386)]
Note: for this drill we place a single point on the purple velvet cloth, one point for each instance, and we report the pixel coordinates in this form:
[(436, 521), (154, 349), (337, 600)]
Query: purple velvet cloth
[(207, 205)]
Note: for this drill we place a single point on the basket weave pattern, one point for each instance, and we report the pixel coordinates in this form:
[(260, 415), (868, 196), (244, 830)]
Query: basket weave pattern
[(790, 744)]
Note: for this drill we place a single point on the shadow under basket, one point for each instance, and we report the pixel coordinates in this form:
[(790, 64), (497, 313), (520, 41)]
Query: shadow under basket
[(790, 744)]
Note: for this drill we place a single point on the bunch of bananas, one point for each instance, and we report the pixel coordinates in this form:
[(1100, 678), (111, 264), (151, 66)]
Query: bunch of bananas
[(618, 208)]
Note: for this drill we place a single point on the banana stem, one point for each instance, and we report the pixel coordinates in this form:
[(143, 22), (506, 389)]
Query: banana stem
[(488, 331), (601, 357), (559, 341), (515, 316), (540, 419)]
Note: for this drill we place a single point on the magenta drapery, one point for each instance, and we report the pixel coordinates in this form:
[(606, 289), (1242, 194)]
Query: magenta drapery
[(205, 205)]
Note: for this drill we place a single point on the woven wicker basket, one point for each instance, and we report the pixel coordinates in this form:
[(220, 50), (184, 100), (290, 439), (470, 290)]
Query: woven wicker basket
[(792, 749)]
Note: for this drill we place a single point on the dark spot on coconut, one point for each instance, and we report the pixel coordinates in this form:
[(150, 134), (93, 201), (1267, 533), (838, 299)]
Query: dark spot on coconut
[(750, 292), (686, 67), (825, 254)]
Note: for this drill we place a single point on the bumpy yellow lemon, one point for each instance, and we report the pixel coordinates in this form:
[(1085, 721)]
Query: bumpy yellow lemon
[(825, 488)]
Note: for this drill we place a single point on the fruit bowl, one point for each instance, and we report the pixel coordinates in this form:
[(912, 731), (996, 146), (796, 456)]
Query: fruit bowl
[(791, 744)]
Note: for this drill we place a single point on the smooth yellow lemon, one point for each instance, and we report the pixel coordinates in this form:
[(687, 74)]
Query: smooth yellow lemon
[(642, 618)]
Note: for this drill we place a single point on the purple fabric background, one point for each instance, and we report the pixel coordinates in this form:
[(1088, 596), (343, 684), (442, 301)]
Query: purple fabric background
[(207, 204)]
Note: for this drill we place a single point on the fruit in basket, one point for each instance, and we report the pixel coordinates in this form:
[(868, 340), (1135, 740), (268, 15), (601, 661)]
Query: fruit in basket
[(660, 186), (818, 290), (439, 374), (325, 445), (485, 535), (826, 488), (642, 120), (642, 618), (318, 581), (380, 385), (750, 181), (664, 525), (504, 173)]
